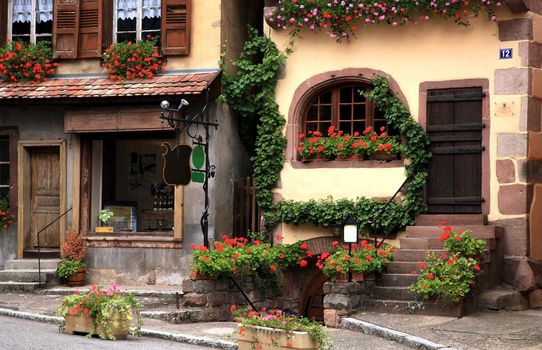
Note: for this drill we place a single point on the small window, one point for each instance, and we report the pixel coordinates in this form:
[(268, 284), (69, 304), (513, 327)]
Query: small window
[(345, 108), (4, 166), (31, 20), (137, 19)]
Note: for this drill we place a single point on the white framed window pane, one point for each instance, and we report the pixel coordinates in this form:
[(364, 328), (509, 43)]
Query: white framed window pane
[(44, 11), (126, 9), (21, 11)]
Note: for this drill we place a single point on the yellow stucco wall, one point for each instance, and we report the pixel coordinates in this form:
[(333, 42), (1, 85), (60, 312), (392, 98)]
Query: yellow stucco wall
[(430, 51), (204, 48)]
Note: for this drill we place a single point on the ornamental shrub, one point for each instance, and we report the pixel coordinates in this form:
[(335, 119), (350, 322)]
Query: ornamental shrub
[(127, 60), (20, 61)]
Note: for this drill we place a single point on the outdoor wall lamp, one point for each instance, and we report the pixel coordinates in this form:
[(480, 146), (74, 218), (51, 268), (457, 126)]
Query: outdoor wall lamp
[(349, 231)]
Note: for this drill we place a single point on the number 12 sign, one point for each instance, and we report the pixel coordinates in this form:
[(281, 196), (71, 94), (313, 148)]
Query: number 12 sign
[(505, 54)]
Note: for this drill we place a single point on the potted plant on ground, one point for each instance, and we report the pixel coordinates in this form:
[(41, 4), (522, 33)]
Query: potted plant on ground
[(274, 329), (72, 268), (105, 216), (6, 215), (111, 314)]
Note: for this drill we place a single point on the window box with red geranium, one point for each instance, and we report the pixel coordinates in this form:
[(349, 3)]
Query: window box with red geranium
[(127, 60), (21, 61), (6, 216)]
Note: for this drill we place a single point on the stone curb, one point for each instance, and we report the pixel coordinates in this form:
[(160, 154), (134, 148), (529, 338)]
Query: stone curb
[(390, 334), (177, 337), (136, 292)]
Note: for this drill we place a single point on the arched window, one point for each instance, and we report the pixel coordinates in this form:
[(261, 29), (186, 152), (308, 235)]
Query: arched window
[(346, 108)]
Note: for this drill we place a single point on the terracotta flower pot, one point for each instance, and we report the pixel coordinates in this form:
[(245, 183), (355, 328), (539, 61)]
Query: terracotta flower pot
[(358, 277), (77, 279), (381, 155), (342, 277)]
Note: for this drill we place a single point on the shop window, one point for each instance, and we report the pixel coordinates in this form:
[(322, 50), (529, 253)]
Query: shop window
[(31, 20), (136, 19), (127, 180)]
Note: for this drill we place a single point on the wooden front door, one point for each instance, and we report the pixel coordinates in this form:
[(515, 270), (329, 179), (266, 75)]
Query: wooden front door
[(45, 195), (454, 126), (312, 300)]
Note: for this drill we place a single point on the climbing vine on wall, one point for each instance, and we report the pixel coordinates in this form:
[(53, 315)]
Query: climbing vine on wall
[(251, 93)]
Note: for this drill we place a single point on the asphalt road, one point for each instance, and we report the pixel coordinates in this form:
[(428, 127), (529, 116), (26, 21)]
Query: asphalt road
[(18, 334)]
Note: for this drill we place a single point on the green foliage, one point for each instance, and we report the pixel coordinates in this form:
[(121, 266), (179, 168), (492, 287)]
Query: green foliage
[(105, 215), (451, 275), (104, 306), (277, 319), (21, 61), (6, 215), (68, 267), (342, 19)]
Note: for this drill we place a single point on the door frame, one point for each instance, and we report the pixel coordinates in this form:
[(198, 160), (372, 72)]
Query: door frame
[(466, 83), (23, 181)]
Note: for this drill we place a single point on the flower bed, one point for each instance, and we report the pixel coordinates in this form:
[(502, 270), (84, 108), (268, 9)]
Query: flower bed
[(26, 62), (127, 60), (111, 311), (343, 146), (450, 276), (341, 19)]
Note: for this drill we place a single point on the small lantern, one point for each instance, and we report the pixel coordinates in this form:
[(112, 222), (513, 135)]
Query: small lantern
[(349, 233)]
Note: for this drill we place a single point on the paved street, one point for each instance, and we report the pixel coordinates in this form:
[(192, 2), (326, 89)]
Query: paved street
[(17, 334)]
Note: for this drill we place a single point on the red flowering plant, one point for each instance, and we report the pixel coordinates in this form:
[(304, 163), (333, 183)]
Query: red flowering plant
[(21, 61), (342, 18), (381, 143), (127, 60), (335, 144), (104, 306), (6, 216), (450, 276)]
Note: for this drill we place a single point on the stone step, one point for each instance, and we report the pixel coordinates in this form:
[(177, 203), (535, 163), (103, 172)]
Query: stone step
[(408, 255), (434, 243), (453, 220), (417, 308), (478, 231), (44, 253), (394, 293), (396, 280), (18, 286), (402, 267), (31, 264), (26, 275)]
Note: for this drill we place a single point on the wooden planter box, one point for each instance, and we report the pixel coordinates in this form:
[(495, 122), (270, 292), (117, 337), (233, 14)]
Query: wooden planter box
[(84, 324), (254, 337)]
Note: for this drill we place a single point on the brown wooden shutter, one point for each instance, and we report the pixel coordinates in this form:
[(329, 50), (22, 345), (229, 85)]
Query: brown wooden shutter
[(176, 27), (3, 21), (65, 28), (90, 28)]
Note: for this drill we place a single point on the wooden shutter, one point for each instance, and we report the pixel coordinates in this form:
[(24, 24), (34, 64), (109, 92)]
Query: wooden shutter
[(3, 21), (176, 27), (90, 28), (66, 28)]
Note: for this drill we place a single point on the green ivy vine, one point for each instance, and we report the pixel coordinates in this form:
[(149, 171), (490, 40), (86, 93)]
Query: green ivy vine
[(251, 93)]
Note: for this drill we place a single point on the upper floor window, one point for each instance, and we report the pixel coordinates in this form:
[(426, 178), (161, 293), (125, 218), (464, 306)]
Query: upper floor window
[(345, 108), (137, 19), (31, 20)]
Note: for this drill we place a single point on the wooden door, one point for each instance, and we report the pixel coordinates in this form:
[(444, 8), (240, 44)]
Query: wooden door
[(45, 195), (312, 300), (454, 126)]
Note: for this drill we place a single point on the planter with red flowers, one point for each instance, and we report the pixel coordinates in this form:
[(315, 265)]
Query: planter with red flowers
[(6, 215), (21, 61), (127, 60)]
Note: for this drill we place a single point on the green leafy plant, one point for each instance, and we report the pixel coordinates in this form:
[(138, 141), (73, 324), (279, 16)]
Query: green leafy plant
[(277, 319), (21, 61), (105, 215), (341, 19), (68, 267), (127, 60), (450, 276), (103, 306), (6, 215)]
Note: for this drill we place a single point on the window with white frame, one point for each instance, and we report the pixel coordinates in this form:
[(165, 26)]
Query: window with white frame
[(136, 19), (31, 20), (4, 165)]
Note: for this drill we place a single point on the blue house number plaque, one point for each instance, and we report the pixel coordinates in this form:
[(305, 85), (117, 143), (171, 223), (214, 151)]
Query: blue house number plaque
[(505, 54)]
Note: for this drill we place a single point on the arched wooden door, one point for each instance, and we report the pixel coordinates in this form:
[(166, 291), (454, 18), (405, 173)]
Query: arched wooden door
[(312, 299)]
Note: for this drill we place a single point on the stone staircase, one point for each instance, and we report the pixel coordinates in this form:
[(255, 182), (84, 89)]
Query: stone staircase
[(391, 293), (22, 274)]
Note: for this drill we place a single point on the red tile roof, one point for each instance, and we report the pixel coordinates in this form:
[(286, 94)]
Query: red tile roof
[(165, 85)]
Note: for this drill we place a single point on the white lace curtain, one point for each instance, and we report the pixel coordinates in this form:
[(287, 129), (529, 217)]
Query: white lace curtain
[(127, 9), (22, 10)]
